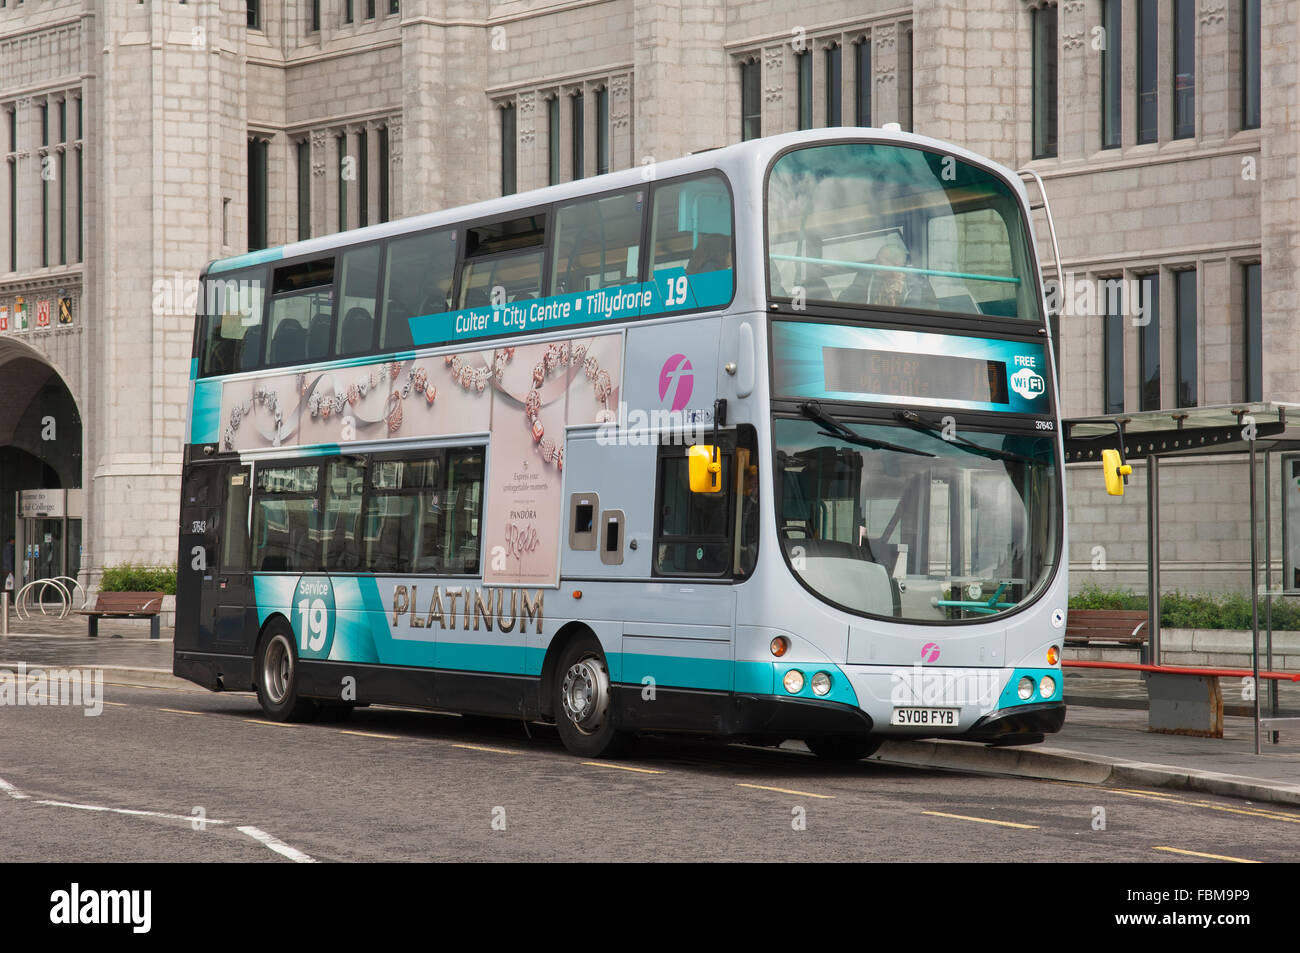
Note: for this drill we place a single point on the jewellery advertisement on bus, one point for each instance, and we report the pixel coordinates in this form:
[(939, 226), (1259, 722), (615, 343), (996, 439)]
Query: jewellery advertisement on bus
[(525, 396)]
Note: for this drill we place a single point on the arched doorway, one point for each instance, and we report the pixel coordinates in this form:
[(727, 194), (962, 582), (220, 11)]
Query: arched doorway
[(40, 450)]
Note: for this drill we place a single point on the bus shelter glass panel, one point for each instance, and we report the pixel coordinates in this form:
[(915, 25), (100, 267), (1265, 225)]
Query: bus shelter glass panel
[(907, 525), (882, 225)]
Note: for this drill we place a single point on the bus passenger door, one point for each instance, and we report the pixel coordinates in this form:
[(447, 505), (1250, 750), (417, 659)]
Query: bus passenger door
[(211, 579)]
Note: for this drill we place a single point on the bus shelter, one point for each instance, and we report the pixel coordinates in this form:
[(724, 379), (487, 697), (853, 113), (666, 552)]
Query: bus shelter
[(1258, 430)]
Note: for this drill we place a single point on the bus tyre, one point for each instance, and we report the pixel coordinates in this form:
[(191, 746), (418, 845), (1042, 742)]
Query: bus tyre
[(277, 677), (583, 701), (842, 748)]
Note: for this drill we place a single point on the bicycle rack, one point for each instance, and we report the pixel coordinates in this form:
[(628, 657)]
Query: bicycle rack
[(85, 596), (24, 611)]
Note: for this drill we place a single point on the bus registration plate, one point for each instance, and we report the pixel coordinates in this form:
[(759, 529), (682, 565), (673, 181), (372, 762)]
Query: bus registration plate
[(924, 716)]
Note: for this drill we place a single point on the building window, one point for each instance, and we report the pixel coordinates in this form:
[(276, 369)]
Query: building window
[(304, 189), (862, 81), (341, 141), (383, 174), (255, 14), (1185, 336), (394, 7), (751, 100), (602, 131), (1149, 343), (1044, 25), (363, 178), (347, 11), (61, 168), (1253, 312), (833, 87), (315, 16), (905, 78), (1113, 360), (578, 142), (370, 9), (509, 151), (1147, 43), (803, 64), (553, 140), (1112, 72), (1250, 65), (13, 214), (257, 151), (45, 212), (1184, 69), (80, 212)]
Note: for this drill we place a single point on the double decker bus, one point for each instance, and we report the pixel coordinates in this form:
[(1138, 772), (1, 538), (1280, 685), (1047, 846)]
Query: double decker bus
[(760, 443)]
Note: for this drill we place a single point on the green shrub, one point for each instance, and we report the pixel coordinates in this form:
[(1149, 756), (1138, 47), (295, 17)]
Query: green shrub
[(1179, 610), (129, 578)]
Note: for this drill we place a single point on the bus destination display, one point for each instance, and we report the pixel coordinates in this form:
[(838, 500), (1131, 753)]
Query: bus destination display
[(904, 374)]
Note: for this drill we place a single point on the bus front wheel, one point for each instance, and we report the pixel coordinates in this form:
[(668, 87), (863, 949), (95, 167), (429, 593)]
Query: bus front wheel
[(583, 699), (840, 748), (277, 678)]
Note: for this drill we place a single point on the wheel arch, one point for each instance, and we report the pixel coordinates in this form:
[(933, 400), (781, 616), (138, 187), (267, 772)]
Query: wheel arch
[(271, 621), (569, 632)]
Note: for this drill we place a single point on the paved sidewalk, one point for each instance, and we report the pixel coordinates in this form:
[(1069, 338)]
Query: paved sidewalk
[(1105, 738)]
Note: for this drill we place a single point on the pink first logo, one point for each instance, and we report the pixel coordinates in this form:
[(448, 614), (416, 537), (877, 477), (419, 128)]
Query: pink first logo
[(930, 652), (678, 377)]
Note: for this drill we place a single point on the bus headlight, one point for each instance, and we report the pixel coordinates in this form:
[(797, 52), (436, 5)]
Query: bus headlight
[(1047, 687), (793, 681), (1026, 688), (779, 646), (821, 684)]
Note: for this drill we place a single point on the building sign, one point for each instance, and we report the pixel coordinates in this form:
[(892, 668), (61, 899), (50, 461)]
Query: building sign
[(65, 311), (43, 313), (39, 504), (20, 314), (4, 317)]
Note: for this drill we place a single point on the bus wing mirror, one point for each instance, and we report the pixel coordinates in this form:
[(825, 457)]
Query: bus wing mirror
[(1116, 472), (705, 469)]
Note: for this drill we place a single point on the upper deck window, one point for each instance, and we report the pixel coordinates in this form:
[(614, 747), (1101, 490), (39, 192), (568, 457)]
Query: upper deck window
[(232, 322), (883, 225)]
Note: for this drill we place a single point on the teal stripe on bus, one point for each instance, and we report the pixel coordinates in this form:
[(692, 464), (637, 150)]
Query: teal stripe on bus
[(260, 257), (205, 415), (671, 671)]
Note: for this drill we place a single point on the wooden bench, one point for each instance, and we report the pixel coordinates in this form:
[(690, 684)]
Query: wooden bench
[(1120, 627), (125, 605)]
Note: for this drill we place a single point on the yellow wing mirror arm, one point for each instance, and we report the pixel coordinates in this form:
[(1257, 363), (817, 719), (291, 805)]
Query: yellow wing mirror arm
[(704, 462), (1116, 471)]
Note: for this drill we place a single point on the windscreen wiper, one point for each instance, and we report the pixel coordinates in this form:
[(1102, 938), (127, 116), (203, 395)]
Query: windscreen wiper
[(813, 411), (914, 420)]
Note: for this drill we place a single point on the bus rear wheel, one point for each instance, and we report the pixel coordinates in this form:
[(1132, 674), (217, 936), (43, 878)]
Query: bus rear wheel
[(583, 700), (277, 678), (841, 748)]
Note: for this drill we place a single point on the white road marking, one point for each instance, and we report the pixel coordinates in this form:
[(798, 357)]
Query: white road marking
[(259, 835), (127, 811), (12, 791), (279, 846)]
